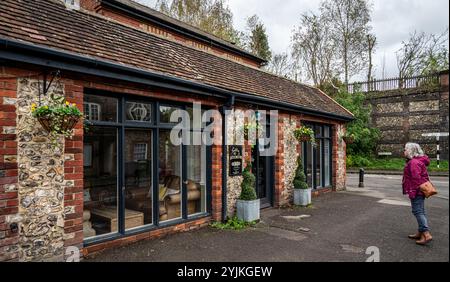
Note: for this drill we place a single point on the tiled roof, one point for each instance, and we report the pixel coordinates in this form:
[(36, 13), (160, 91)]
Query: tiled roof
[(48, 23), (162, 18)]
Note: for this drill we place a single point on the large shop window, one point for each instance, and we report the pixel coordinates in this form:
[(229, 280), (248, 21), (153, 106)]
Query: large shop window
[(317, 159), (135, 178)]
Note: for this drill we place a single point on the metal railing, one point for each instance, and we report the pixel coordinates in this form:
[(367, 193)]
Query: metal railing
[(412, 82)]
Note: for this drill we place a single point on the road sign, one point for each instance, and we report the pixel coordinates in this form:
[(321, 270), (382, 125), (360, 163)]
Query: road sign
[(437, 135)]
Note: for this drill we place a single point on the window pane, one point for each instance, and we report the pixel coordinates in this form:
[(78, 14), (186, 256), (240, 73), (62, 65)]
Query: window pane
[(196, 177), (169, 177), (100, 182), (138, 177), (140, 112), (309, 154), (318, 164), (196, 123), (326, 131), (327, 163), (318, 131), (100, 108), (165, 112)]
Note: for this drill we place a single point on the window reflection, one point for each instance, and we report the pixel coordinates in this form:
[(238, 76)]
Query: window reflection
[(169, 177), (165, 112), (196, 178), (138, 177), (100, 182), (100, 108)]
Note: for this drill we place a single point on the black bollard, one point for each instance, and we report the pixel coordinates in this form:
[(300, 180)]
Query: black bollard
[(361, 177)]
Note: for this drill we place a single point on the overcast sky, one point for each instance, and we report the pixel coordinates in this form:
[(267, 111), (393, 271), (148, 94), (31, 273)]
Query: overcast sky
[(392, 21)]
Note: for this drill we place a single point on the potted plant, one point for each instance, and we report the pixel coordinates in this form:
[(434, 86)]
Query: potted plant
[(248, 205), (349, 138), (304, 134), (59, 117), (302, 193)]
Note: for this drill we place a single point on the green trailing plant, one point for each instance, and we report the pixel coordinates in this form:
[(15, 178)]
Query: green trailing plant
[(248, 192), (58, 117), (300, 177), (251, 127), (305, 134), (233, 223)]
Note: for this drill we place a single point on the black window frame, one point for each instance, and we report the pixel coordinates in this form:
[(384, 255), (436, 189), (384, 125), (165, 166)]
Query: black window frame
[(155, 126), (319, 127)]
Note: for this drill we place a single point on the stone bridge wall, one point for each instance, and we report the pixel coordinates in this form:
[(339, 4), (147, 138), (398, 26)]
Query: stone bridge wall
[(404, 115)]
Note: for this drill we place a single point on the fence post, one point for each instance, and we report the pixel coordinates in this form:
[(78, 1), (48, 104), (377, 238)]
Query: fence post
[(361, 178)]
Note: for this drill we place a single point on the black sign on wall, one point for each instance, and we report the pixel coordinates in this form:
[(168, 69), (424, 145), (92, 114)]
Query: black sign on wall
[(235, 160)]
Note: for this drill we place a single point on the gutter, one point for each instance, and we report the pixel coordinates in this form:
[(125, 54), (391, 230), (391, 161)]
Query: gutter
[(17, 51)]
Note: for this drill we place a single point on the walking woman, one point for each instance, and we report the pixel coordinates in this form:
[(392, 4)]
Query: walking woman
[(414, 174)]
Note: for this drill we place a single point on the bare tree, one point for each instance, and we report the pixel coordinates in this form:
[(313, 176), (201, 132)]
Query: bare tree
[(212, 16), (371, 43), (312, 45), (422, 53), (349, 23), (280, 64)]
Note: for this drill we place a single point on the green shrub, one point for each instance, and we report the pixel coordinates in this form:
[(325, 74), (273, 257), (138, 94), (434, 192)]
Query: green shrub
[(365, 135), (248, 192), (300, 178), (233, 223), (358, 161)]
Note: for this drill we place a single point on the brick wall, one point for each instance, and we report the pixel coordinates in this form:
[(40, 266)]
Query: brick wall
[(74, 86), (73, 172), (8, 167)]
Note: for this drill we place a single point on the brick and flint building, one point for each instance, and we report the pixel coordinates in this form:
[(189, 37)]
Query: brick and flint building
[(120, 179)]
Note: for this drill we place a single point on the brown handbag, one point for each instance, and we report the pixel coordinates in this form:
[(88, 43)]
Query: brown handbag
[(428, 189)]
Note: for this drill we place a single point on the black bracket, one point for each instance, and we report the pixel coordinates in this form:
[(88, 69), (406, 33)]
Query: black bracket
[(46, 86)]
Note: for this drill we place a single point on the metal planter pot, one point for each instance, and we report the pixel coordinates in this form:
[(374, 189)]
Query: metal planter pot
[(302, 197), (248, 210)]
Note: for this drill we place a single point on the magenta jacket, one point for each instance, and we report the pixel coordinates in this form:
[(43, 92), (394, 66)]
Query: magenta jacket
[(414, 174)]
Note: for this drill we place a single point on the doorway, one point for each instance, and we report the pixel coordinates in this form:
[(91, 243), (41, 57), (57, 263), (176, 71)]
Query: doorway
[(263, 169)]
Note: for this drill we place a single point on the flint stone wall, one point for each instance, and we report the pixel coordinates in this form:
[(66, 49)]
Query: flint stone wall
[(41, 180), (404, 115)]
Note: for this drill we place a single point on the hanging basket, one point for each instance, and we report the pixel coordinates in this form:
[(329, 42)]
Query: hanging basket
[(303, 138), (349, 139), (65, 124)]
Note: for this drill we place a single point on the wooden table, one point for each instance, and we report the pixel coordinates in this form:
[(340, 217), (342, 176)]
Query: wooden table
[(109, 214)]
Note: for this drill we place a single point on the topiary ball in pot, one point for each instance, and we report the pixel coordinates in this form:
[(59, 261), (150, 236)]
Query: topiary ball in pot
[(300, 177), (248, 205), (302, 193), (248, 192)]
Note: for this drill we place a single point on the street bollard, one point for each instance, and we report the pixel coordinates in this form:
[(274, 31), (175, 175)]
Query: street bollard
[(361, 177)]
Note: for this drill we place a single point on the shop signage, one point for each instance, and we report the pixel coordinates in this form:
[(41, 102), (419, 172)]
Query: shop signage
[(235, 152)]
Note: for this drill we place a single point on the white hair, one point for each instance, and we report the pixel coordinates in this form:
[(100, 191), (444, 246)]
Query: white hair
[(413, 150)]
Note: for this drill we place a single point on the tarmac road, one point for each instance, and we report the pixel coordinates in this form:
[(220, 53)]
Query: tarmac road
[(391, 185), (340, 226)]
